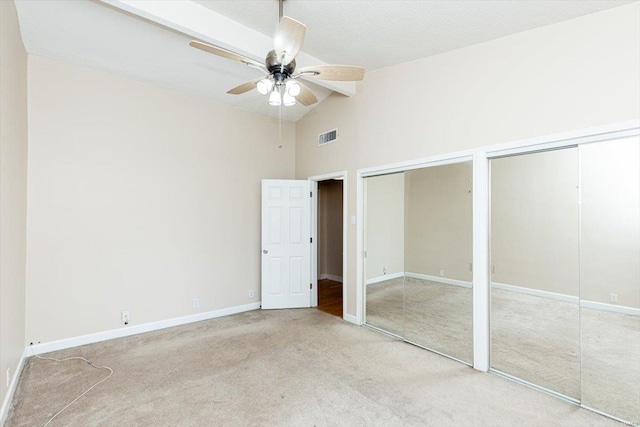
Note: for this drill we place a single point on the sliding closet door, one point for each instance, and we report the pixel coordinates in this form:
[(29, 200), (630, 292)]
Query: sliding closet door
[(384, 252), (610, 277), (535, 326), (438, 255)]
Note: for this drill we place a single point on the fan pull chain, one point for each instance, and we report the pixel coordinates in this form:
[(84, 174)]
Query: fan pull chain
[(280, 126)]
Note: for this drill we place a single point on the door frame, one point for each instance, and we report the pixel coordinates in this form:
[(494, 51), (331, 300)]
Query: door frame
[(313, 180)]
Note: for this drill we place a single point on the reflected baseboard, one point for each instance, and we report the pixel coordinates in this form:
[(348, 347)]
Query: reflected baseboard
[(438, 279), (610, 307), (568, 298), (536, 292), (384, 278)]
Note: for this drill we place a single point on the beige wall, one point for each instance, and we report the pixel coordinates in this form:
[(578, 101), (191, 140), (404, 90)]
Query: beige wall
[(384, 225), (140, 199), (543, 238), (438, 221), (610, 221), (535, 221), (13, 191), (571, 75), (330, 228)]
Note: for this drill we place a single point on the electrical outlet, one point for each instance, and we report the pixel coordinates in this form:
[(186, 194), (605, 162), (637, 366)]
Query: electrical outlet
[(251, 293), (8, 377), (614, 298), (196, 302), (470, 266), (442, 273), (126, 317), (384, 270)]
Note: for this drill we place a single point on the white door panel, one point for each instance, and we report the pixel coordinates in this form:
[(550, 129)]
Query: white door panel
[(286, 247)]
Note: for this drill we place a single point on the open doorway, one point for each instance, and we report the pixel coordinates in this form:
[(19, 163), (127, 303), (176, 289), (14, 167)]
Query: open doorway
[(330, 246)]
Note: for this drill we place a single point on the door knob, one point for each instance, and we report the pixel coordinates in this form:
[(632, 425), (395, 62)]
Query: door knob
[(264, 251)]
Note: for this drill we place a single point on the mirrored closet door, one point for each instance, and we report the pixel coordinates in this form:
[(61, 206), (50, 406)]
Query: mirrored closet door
[(438, 254), (565, 273), (384, 253), (610, 277), (418, 253), (535, 325)]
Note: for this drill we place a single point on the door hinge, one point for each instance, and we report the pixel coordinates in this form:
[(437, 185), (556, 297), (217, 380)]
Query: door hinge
[(310, 239), (310, 285), (310, 193)]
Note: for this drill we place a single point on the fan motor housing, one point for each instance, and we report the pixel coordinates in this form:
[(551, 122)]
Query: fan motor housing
[(276, 68)]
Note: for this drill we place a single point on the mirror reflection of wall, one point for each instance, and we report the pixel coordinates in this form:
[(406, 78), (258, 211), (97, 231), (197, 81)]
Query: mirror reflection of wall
[(418, 246), (535, 269), (438, 255), (610, 276), (384, 243)]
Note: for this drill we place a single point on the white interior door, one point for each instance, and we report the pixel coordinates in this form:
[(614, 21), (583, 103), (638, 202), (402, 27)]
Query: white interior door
[(286, 244)]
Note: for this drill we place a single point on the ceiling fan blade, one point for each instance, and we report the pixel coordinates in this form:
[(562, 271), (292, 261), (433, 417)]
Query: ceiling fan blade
[(306, 97), (244, 87), (225, 53), (333, 72), (289, 39)]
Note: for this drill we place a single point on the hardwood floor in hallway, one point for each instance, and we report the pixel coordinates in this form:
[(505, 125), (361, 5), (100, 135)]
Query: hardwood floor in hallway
[(330, 297)]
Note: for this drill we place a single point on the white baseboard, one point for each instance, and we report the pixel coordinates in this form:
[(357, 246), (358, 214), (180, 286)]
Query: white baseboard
[(350, 318), (330, 277), (536, 292), (569, 298), (139, 329), (6, 403), (610, 307), (439, 279), (384, 277)]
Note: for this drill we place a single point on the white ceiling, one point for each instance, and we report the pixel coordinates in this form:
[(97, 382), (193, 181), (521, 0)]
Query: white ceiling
[(373, 34), (377, 34)]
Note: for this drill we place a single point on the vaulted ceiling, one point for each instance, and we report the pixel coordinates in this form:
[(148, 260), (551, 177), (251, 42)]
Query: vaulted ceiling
[(149, 40)]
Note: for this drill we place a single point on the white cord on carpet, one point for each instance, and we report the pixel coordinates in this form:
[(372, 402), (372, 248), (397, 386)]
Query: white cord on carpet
[(87, 390)]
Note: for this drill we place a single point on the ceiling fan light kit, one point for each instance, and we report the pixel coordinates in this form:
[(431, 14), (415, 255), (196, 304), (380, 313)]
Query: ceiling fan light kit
[(280, 83)]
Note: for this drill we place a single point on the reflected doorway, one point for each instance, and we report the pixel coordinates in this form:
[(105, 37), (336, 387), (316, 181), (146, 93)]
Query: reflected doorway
[(330, 246)]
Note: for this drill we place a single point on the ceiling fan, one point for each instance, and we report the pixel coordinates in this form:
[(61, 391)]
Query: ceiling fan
[(280, 80)]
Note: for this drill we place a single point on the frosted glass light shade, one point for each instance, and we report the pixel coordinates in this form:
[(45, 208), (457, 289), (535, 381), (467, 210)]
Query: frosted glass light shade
[(274, 98), (293, 88), (264, 86), (288, 100)]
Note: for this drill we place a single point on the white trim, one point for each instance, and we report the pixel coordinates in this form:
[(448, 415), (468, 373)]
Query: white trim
[(481, 302), (439, 279), (384, 277), (330, 277), (360, 300), (139, 329), (314, 244), (341, 175), (6, 404), (350, 318), (565, 139), (439, 160), (536, 292), (610, 307)]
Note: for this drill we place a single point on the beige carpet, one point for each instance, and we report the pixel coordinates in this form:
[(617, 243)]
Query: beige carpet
[(278, 368), (532, 338), (430, 314), (536, 339)]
